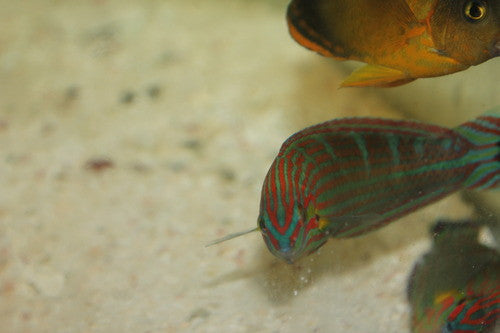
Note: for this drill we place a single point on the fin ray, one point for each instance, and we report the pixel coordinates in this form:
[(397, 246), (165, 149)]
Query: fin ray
[(376, 76), (231, 236), (484, 133)]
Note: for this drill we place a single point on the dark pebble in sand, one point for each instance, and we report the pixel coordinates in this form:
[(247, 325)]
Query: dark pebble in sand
[(227, 175), (154, 91), (192, 144), (199, 313), (127, 97), (99, 164), (71, 93)]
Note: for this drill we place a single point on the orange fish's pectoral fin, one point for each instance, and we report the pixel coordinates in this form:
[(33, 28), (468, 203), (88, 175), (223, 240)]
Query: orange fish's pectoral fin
[(376, 76)]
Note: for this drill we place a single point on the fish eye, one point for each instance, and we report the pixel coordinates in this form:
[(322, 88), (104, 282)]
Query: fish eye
[(475, 10)]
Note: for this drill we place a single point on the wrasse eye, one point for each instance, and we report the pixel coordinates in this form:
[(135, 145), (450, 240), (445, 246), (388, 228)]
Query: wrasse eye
[(475, 10)]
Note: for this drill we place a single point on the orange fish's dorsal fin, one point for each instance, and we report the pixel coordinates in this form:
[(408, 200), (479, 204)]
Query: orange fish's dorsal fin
[(349, 29), (301, 15), (422, 9), (400, 10), (376, 76)]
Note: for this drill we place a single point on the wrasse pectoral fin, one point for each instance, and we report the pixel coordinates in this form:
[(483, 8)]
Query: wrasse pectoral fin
[(376, 76), (453, 294), (323, 223)]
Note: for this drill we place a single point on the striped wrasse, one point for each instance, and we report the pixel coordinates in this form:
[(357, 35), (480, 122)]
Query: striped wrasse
[(455, 287), (347, 177)]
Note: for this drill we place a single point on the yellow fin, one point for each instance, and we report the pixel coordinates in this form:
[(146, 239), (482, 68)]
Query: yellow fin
[(445, 295), (310, 212), (323, 223), (376, 76)]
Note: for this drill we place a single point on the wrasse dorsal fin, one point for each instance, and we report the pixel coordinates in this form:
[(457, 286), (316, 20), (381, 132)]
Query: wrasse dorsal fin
[(231, 236)]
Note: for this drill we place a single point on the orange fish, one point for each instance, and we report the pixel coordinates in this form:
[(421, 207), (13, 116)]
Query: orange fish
[(400, 40)]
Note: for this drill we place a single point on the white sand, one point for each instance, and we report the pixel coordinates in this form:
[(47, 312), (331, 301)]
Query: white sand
[(189, 101)]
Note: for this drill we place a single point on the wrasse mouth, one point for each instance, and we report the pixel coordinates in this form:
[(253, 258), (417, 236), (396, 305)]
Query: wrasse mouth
[(288, 255)]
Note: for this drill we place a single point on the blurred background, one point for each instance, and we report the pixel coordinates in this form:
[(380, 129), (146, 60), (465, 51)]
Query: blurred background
[(133, 132)]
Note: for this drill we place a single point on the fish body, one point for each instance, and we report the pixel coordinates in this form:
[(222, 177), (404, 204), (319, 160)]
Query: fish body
[(400, 40), (455, 287), (346, 177)]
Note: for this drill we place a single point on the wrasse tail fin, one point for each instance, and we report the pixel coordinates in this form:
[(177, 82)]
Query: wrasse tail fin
[(484, 132), (376, 76)]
